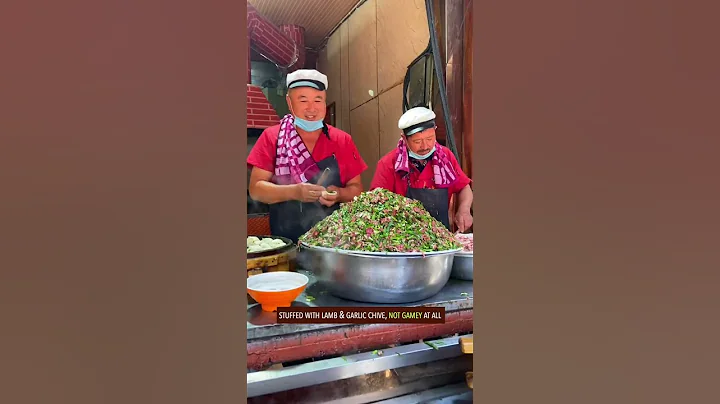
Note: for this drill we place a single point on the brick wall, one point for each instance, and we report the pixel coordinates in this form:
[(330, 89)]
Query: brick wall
[(297, 34), (260, 114), (284, 46), (273, 43)]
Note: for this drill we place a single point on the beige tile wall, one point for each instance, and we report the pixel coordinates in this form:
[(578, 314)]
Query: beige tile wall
[(365, 60), (364, 124)]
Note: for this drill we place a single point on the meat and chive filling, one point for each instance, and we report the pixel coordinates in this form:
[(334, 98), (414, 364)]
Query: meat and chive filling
[(381, 221)]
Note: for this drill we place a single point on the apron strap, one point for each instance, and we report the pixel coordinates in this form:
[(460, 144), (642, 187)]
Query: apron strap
[(451, 213)]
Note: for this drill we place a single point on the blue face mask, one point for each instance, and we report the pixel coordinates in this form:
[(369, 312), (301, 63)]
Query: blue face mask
[(419, 157), (308, 126)]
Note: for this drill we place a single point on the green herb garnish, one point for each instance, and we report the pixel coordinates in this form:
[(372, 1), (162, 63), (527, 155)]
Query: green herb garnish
[(431, 345)]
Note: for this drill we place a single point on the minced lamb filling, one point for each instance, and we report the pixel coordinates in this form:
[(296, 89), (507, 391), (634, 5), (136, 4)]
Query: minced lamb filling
[(466, 241), (381, 221)]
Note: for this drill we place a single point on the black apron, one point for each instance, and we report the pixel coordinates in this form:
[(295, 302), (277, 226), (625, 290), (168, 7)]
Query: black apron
[(435, 201), (292, 219)]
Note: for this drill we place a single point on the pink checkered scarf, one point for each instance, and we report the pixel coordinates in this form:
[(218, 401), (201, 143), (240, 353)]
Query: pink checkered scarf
[(293, 163), (444, 173)]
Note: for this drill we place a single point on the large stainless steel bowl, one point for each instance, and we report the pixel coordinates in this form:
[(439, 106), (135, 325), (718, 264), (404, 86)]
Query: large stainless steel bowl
[(462, 267), (378, 277)]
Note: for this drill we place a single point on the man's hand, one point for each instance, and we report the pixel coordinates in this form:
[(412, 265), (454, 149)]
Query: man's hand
[(463, 219), (308, 192), (331, 196)]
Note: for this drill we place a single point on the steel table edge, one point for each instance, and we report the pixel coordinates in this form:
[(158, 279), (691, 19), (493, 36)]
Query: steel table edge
[(328, 370)]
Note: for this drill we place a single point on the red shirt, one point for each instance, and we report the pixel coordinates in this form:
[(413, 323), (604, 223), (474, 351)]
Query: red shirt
[(386, 177), (348, 158)]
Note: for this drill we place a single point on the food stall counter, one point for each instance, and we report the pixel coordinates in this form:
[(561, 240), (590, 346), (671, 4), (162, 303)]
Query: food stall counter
[(269, 343)]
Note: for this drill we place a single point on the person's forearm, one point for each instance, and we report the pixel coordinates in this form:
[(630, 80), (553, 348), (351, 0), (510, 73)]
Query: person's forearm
[(267, 192), (465, 199), (349, 192)]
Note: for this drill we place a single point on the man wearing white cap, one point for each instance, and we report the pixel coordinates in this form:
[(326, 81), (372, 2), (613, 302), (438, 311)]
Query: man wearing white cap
[(421, 169), (290, 159)]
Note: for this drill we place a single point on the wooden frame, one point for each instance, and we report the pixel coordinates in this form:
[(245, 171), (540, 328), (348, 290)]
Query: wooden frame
[(330, 114)]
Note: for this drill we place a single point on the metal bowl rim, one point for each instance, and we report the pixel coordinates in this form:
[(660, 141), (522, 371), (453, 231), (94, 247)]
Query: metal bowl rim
[(380, 254)]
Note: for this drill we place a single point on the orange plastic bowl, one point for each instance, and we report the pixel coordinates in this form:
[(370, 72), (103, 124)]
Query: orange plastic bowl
[(276, 289)]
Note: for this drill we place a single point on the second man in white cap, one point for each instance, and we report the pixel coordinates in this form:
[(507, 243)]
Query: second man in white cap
[(421, 169)]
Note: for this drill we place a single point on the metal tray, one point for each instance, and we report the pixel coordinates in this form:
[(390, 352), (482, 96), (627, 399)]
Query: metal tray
[(265, 253)]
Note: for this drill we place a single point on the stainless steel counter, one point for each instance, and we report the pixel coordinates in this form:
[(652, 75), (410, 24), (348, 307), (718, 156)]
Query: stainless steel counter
[(455, 296), (402, 361)]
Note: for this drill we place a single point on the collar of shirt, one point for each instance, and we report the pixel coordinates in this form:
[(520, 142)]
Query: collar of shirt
[(419, 164)]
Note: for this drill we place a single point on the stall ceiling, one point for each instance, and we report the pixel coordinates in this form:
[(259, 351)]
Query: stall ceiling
[(318, 17)]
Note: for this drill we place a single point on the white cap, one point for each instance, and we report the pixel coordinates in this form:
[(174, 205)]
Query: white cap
[(307, 78), (416, 120)]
